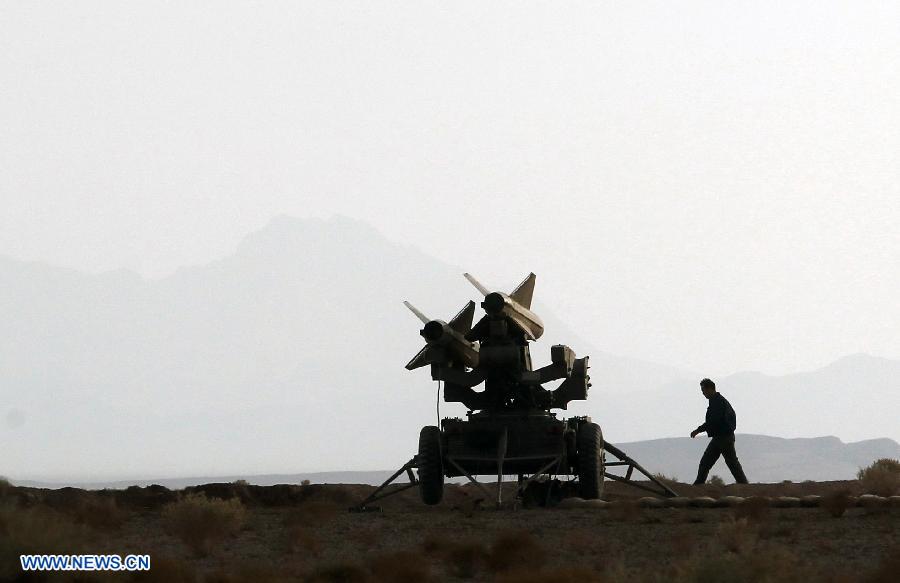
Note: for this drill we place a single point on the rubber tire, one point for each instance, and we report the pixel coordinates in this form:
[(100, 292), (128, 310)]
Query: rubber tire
[(431, 466), (591, 464)]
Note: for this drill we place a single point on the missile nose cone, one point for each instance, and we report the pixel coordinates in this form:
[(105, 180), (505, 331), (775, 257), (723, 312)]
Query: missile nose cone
[(493, 303), (432, 331)]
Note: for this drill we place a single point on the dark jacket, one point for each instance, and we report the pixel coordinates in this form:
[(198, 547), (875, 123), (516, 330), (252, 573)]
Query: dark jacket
[(720, 418)]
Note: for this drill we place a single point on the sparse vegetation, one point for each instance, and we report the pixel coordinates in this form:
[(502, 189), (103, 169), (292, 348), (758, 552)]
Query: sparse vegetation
[(200, 521), (836, 503), (881, 478), (36, 530), (716, 481), (668, 480), (309, 536)]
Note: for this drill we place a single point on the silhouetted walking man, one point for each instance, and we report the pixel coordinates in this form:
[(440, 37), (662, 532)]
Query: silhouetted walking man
[(720, 424)]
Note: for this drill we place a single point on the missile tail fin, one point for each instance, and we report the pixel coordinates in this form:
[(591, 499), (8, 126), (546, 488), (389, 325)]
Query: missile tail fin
[(484, 291), (523, 293), (427, 355), (462, 322), (415, 311)]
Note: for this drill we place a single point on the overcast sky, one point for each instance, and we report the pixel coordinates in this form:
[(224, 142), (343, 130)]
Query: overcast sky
[(706, 184)]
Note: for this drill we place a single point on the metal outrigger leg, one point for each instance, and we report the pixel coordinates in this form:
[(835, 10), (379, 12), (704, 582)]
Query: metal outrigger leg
[(379, 493), (632, 465)]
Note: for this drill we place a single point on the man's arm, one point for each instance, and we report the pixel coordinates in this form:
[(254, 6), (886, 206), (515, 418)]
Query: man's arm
[(698, 431)]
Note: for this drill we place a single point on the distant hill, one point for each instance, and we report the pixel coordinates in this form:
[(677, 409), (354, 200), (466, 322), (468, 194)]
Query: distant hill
[(766, 460), (288, 356)]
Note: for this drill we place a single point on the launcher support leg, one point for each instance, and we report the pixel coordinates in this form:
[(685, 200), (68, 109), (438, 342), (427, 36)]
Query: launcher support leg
[(632, 465), (378, 495), (469, 476)]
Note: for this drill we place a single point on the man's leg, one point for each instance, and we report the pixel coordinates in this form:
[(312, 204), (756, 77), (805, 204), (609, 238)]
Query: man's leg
[(707, 461), (731, 458)]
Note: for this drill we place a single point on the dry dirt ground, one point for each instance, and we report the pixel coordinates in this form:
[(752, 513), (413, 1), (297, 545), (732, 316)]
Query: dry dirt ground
[(305, 533)]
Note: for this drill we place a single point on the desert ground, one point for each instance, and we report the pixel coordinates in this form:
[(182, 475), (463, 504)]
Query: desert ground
[(239, 533)]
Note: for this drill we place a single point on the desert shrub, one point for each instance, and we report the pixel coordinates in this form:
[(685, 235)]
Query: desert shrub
[(881, 478), (716, 481), (515, 548), (836, 503), (199, 521), (98, 512), (37, 530)]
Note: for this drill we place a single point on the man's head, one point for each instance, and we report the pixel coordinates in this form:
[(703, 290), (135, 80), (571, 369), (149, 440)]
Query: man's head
[(708, 388)]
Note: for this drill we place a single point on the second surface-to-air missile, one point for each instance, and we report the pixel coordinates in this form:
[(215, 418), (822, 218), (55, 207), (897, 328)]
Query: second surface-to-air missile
[(446, 343)]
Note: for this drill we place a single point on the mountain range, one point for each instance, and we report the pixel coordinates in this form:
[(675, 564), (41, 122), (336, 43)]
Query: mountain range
[(288, 355)]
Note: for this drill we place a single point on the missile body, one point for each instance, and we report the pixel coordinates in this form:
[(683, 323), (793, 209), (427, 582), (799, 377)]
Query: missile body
[(516, 306), (445, 343)]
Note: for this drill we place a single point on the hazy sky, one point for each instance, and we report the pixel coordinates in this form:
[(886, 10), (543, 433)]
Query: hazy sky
[(706, 184)]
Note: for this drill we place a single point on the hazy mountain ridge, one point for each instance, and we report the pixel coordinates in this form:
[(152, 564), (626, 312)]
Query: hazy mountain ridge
[(289, 354), (766, 459)]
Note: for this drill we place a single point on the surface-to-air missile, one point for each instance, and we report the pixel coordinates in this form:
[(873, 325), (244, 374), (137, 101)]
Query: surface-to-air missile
[(509, 428)]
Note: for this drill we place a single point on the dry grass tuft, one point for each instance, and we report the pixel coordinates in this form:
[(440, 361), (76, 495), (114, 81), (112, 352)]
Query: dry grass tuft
[(199, 521), (882, 478), (836, 503)]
